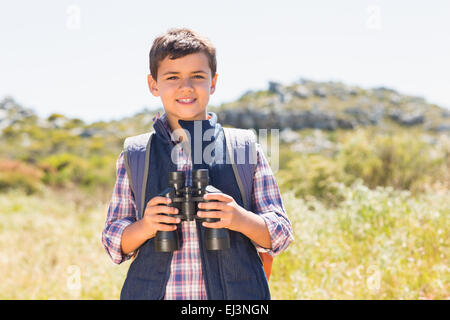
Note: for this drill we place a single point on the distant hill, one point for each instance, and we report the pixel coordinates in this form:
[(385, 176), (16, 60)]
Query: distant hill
[(326, 134), (300, 105), (331, 105)]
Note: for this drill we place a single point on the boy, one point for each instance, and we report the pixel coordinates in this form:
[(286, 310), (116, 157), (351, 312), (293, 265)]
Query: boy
[(183, 74)]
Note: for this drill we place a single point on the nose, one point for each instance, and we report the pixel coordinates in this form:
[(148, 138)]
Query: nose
[(186, 84)]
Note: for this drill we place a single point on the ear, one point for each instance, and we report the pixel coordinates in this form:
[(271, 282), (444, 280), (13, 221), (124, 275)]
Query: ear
[(213, 84), (152, 85)]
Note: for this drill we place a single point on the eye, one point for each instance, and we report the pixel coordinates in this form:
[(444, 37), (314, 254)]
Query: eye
[(196, 76)]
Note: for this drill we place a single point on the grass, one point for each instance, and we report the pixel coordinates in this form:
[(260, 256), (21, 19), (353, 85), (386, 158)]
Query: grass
[(51, 249), (377, 244)]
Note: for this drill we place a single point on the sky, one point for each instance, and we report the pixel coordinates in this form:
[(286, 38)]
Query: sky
[(89, 59)]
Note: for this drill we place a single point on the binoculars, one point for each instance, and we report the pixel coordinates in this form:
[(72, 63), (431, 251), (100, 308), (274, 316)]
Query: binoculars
[(186, 200)]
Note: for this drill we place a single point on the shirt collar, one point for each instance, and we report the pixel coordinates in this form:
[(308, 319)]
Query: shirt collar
[(162, 127)]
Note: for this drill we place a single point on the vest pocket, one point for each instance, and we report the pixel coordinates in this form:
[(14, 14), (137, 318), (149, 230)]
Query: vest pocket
[(136, 288), (147, 275), (242, 270), (236, 261)]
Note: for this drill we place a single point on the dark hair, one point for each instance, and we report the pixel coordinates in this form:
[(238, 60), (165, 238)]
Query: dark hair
[(177, 43)]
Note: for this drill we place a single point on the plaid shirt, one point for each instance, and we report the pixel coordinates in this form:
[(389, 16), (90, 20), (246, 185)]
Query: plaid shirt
[(186, 279)]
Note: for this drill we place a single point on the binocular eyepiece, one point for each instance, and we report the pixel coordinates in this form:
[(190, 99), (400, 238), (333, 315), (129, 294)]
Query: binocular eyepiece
[(186, 200)]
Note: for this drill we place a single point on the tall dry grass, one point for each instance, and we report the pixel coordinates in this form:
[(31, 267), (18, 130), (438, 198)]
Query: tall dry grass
[(378, 244), (51, 248)]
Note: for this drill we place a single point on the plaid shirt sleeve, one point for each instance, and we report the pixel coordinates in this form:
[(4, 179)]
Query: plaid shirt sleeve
[(267, 202), (121, 213)]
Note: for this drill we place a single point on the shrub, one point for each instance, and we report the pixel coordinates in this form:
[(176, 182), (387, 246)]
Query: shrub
[(377, 244), (314, 176), (19, 175), (400, 160), (68, 170)]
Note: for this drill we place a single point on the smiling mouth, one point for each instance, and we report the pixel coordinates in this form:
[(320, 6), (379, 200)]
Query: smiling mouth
[(186, 101)]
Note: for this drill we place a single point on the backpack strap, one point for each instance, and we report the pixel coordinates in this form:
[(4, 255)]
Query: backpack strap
[(241, 145), (137, 156), (241, 153)]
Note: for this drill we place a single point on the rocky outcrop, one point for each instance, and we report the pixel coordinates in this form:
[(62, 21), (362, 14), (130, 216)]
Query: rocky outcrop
[(11, 113), (295, 120), (284, 107)]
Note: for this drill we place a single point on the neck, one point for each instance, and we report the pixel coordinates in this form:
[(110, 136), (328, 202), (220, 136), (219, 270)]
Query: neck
[(174, 125)]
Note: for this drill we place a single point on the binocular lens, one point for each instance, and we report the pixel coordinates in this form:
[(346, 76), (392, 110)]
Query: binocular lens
[(200, 178), (177, 177)]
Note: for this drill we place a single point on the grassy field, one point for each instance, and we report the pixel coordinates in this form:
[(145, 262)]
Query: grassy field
[(51, 249), (378, 244)]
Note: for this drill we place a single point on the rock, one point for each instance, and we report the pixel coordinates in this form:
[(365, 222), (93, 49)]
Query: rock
[(276, 102), (360, 115), (395, 99), (7, 103), (444, 113), (283, 95), (276, 87), (314, 143), (383, 93), (320, 92), (287, 97), (293, 119), (321, 120), (76, 132), (352, 91), (407, 119), (444, 127), (59, 122), (302, 92), (289, 136), (247, 121), (89, 132), (366, 116), (4, 123), (3, 114), (346, 124)]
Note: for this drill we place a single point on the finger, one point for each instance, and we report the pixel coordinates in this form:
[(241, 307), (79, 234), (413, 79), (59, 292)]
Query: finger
[(214, 225), (159, 218), (210, 214), (165, 227), (160, 209), (213, 206), (158, 200), (218, 196)]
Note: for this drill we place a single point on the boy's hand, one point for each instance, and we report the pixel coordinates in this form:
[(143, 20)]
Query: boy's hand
[(153, 221), (231, 214)]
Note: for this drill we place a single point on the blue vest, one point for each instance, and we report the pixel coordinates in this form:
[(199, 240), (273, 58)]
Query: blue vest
[(234, 273)]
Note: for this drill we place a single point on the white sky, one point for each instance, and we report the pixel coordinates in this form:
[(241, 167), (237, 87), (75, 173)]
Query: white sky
[(93, 65)]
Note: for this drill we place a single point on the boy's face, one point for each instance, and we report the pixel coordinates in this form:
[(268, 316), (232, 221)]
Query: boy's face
[(187, 78)]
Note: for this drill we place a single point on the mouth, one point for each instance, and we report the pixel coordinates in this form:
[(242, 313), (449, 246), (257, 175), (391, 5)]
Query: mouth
[(186, 101)]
